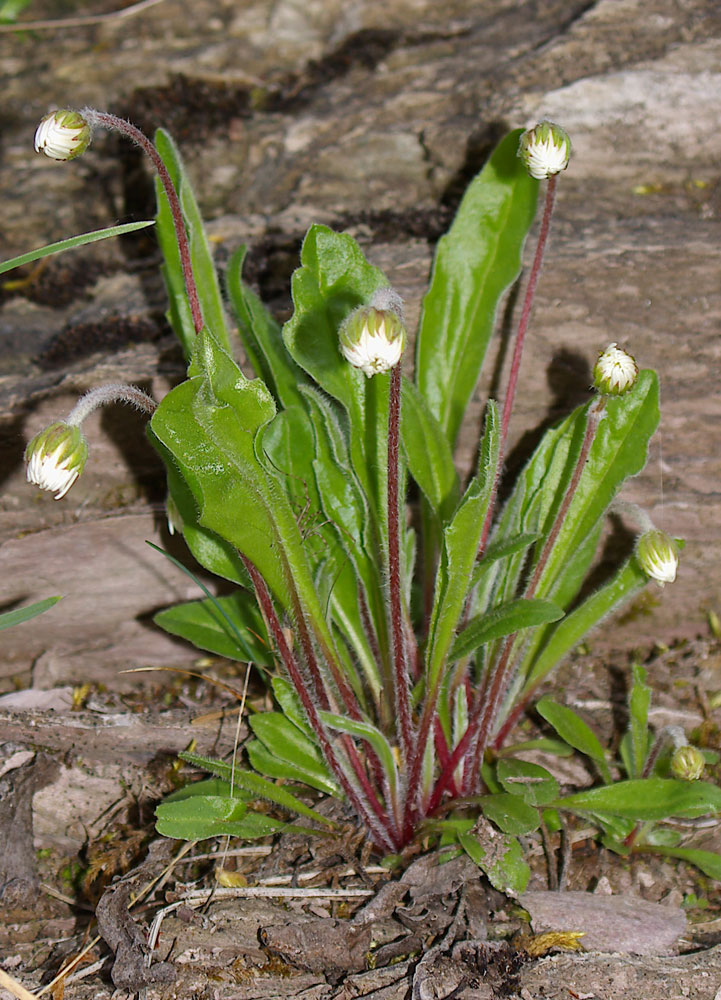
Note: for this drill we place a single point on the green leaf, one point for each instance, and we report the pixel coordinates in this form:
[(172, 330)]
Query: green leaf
[(290, 704), (542, 743), (206, 278), (618, 451), (510, 813), (504, 620), (429, 456), (206, 809), (335, 278), (372, 735), (20, 615), (198, 816), (530, 782), (460, 546), (74, 241), (647, 799), (501, 550), (262, 338), (498, 855), (571, 728), (286, 742), (10, 9), (267, 763), (255, 785), (627, 582), (210, 424), (709, 862), (638, 704), (230, 626), (475, 263)]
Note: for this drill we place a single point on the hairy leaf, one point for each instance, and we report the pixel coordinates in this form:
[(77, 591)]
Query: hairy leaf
[(475, 263), (504, 620), (571, 728), (647, 799)]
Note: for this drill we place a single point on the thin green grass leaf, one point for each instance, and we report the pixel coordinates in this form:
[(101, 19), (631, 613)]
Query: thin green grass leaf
[(74, 241)]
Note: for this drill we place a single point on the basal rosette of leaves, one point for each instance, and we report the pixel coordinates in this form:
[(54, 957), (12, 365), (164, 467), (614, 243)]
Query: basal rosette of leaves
[(281, 481), (402, 620)]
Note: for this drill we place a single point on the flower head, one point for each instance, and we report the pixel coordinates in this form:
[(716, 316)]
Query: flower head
[(373, 339), (545, 150), (615, 371), (687, 763), (62, 135), (657, 554), (55, 457)]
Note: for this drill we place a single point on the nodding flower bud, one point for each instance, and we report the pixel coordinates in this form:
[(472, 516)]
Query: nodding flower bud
[(545, 150), (687, 763), (373, 339), (62, 135), (55, 457), (657, 554), (615, 372)]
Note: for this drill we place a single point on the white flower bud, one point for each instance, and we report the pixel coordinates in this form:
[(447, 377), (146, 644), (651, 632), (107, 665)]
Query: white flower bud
[(372, 339), (615, 371), (55, 457), (62, 135), (688, 763), (545, 150), (657, 554)]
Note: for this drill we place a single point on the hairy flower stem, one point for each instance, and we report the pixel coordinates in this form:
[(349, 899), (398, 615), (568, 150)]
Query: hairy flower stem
[(115, 392), (483, 717), (398, 631), (518, 352), (593, 417), (366, 802), (106, 120)]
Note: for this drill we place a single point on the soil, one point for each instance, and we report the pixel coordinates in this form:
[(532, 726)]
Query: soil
[(371, 117)]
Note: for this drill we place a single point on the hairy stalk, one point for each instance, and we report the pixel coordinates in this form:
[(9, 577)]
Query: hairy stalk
[(107, 120), (371, 812), (595, 412), (518, 352), (480, 724), (347, 695), (398, 629), (503, 669), (115, 392)]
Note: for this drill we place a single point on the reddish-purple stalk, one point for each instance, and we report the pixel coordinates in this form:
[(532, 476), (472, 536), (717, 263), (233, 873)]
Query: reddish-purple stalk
[(397, 621), (349, 699), (593, 417), (503, 668), (107, 120), (518, 353), (378, 824), (347, 695), (486, 706)]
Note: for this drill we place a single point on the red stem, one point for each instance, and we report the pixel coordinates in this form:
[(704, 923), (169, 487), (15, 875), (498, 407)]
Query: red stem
[(518, 351), (401, 685), (380, 830), (592, 418), (140, 139)]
